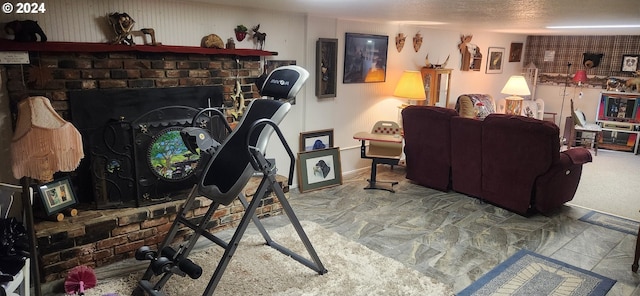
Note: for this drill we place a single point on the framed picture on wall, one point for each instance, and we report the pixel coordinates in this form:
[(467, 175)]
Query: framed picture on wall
[(494, 60), (319, 169), (365, 58), (515, 52), (629, 63), (326, 67)]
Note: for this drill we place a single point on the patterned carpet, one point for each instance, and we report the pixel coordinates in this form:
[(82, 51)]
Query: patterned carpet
[(527, 273), (611, 222)]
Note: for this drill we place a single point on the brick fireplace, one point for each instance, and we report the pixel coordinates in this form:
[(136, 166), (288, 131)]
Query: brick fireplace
[(98, 237)]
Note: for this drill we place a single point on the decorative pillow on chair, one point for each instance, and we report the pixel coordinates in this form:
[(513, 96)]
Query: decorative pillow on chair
[(475, 106), (464, 106)]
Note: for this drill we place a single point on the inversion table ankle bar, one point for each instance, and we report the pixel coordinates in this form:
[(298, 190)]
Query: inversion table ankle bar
[(231, 166)]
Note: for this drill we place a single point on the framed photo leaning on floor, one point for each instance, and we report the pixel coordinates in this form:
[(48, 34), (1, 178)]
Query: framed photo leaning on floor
[(319, 169)]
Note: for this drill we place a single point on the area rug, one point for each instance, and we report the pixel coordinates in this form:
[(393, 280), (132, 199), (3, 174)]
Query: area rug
[(257, 269), (611, 222), (528, 273)]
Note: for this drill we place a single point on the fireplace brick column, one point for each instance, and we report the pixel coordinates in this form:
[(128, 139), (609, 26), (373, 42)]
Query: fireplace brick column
[(97, 238)]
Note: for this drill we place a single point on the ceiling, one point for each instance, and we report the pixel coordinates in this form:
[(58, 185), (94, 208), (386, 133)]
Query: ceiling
[(529, 17)]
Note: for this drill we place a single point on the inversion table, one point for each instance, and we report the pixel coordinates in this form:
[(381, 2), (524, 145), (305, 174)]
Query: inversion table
[(229, 169)]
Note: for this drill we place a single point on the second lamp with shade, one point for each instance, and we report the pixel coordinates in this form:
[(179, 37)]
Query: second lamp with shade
[(410, 86), (516, 87)]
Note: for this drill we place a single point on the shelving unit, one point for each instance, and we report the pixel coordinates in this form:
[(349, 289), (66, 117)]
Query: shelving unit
[(437, 83), (618, 116), (620, 139)]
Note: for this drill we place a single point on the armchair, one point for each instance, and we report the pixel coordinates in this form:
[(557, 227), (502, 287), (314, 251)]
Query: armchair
[(528, 171)]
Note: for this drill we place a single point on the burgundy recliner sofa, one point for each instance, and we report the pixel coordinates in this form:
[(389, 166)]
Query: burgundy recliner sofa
[(513, 162)]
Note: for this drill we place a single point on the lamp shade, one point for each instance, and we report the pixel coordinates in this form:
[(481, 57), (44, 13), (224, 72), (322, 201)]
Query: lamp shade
[(581, 76), (410, 86), (43, 143), (516, 86)]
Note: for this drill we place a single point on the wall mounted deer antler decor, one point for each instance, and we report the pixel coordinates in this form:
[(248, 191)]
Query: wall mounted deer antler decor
[(417, 41), (400, 39)]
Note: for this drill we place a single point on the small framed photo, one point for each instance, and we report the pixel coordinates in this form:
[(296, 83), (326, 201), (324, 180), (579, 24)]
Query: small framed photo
[(515, 53), (629, 63), (319, 169), (494, 60), (316, 140), (57, 195)]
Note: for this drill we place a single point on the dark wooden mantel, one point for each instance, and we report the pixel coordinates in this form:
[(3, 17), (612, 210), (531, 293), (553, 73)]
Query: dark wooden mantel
[(10, 45)]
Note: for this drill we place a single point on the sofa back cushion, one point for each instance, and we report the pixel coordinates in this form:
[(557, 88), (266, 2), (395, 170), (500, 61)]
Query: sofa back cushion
[(427, 137), (466, 155), (515, 150)]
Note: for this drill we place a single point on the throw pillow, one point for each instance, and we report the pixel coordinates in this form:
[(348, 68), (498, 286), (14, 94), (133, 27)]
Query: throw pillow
[(464, 106)]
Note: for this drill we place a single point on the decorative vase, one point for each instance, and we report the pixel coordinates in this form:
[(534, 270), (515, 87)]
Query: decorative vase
[(240, 35)]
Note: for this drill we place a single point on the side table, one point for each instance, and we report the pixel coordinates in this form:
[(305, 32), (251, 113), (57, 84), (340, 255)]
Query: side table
[(380, 155)]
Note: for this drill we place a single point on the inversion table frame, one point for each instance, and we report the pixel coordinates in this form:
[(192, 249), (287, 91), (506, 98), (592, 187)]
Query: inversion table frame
[(168, 261)]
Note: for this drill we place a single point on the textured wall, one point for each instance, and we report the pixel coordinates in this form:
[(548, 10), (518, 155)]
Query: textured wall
[(570, 49)]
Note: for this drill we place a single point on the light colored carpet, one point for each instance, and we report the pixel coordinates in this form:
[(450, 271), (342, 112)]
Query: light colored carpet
[(611, 184), (257, 269)]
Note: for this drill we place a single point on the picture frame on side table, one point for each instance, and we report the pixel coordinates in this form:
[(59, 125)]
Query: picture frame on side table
[(57, 195), (319, 169), (365, 58), (315, 140), (326, 67), (495, 60), (629, 63)]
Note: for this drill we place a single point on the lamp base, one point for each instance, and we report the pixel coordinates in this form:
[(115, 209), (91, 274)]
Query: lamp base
[(513, 105)]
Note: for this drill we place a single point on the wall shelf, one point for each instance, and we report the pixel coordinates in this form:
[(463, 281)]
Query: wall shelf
[(10, 45)]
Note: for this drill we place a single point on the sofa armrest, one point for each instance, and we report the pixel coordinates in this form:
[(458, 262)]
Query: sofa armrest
[(578, 155)]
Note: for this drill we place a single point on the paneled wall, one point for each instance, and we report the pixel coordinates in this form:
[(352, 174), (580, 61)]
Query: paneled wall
[(570, 49)]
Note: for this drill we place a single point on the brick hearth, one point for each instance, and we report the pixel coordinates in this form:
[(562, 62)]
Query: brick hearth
[(101, 237), (98, 238)]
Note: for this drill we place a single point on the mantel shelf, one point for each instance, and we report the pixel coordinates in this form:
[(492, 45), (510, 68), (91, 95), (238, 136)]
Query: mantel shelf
[(10, 45)]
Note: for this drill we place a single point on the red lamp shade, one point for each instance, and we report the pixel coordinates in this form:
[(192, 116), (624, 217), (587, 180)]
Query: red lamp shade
[(581, 76)]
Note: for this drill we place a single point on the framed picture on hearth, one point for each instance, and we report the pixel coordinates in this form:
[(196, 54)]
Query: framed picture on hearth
[(57, 195), (319, 169), (365, 58)]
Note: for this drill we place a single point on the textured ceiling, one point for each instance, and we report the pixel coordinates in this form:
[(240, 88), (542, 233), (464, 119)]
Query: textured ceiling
[(506, 16)]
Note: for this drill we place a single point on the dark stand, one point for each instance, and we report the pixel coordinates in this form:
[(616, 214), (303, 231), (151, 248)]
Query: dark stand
[(31, 232), (373, 183)]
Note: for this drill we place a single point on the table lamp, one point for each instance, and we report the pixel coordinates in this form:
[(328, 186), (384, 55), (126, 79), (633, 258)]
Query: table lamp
[(580, 77), (43, 143), (410, 86), (516, 86)]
